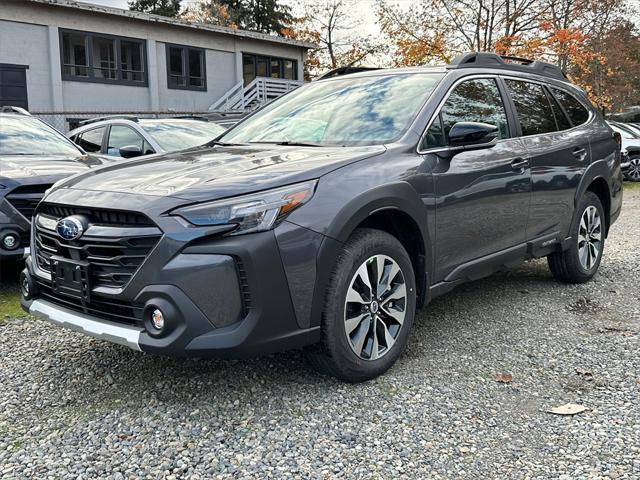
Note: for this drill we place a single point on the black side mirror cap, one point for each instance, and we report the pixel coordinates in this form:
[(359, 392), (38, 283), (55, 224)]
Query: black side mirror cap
[(469, 135), (130, 151)]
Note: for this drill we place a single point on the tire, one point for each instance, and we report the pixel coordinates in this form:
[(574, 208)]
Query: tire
[(580, 262), (362, 255), (633, 174)]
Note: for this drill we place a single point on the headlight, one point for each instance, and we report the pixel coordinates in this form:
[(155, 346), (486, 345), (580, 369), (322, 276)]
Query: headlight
[(251, 213)]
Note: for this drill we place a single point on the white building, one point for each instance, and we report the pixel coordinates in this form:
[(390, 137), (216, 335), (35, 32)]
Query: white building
[(68, 56)]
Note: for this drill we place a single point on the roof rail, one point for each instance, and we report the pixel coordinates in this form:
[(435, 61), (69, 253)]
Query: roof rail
[(505, 62), (200, 118), (133, 118), (12, 109), (338, 72)]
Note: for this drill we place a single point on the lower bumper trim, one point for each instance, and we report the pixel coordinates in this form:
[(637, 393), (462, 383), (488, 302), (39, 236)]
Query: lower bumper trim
[(100, 329)]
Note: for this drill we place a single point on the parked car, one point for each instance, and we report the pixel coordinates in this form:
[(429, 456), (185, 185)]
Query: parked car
[(128, 137), (327, 217), (33, 156), (630, 149)]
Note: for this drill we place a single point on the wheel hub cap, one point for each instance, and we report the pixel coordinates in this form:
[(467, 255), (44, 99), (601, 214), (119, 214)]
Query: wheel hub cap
[(590, 237), (375, 307), (634, 169)]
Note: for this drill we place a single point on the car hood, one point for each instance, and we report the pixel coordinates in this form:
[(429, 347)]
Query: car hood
[(32, 168), (209, 173)]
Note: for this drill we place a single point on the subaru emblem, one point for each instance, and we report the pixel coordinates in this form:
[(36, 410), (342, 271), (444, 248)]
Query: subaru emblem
[(70, 228)]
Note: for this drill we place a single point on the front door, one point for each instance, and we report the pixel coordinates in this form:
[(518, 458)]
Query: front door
[(483, 196), (13, 86)]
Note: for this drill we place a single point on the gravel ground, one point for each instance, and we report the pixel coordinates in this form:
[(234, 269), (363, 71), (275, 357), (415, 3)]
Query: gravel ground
[(73, 407)]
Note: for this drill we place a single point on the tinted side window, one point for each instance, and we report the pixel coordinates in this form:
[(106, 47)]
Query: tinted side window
[(561, 119), (91, 140), (576, 111), (533, 107), (471, 101)]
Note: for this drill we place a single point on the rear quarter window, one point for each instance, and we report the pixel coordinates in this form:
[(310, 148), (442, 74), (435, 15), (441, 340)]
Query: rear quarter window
[(577, 112)]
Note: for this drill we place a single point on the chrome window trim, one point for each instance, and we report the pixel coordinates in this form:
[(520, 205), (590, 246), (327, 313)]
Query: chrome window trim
[(438, 109), (549, 85)]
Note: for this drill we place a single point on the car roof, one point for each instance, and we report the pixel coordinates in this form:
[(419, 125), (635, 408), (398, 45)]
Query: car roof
[(127, 121)]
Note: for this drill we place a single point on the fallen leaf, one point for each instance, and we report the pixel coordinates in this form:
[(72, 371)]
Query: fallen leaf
[(503, 377), (584, 371), (568, 409)]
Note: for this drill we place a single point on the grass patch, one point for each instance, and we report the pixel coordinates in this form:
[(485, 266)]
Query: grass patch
[(10, 294), (10, 303), (632, 186)]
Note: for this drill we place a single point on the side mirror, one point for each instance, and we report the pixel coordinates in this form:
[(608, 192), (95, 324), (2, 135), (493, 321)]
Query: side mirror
[(472, 135), (130, 151)]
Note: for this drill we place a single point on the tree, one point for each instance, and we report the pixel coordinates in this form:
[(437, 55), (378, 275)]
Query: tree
[(329, 24), (166, 8), (436, 30), (589, 39), (264, 16)]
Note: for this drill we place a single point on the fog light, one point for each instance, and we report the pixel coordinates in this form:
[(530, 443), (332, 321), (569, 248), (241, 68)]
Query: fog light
[(10, 241), (157, 319)]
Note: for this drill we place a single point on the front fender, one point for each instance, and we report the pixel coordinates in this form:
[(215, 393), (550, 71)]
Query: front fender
[(398, 196)]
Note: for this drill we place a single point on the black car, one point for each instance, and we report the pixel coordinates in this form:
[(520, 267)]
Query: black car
[(326, 218), (33, 156)]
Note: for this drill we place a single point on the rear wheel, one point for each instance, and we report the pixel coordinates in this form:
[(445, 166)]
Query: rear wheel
[(581, 261), (633, 174), (369, 308)]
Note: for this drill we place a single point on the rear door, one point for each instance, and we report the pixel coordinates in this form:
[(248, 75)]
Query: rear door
[(559, 155), (483, 195)]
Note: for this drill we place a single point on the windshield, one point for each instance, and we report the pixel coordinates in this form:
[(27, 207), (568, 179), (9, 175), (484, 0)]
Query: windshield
[(174, 135), (22, 135), (370, 110)]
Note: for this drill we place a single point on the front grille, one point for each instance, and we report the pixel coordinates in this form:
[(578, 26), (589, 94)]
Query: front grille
[(98, 216), (25, 199), (113, 310), (113, 260)]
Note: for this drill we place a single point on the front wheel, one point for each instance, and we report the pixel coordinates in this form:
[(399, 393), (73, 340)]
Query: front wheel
[(580, 262), (369, 308)]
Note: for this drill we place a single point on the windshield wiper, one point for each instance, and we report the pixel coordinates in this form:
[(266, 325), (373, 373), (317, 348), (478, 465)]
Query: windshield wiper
[(223, 144), (295, 144)]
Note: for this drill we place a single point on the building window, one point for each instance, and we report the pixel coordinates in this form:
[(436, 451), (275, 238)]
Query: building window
[(186, 68), (94, 57), (261, 66)]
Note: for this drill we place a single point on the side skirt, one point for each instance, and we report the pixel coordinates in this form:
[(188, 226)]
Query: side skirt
[(504, 259)]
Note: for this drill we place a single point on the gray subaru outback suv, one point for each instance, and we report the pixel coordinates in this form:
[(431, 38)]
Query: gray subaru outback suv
[(328, 217)]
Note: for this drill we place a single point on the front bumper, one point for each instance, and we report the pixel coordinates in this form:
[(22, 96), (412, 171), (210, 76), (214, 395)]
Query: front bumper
[(223, 296), (101, 329)]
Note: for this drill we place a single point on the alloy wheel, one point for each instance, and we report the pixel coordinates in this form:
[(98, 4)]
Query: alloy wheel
[(375, 307), (634, 169), (590, 237)]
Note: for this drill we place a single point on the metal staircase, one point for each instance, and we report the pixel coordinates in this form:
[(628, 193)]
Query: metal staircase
[(261, 90)]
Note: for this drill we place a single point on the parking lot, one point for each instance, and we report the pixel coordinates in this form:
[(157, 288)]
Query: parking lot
[(74, 407)]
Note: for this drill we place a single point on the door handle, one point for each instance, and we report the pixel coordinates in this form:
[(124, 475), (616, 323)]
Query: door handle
[(580, 153), (519, 163)]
